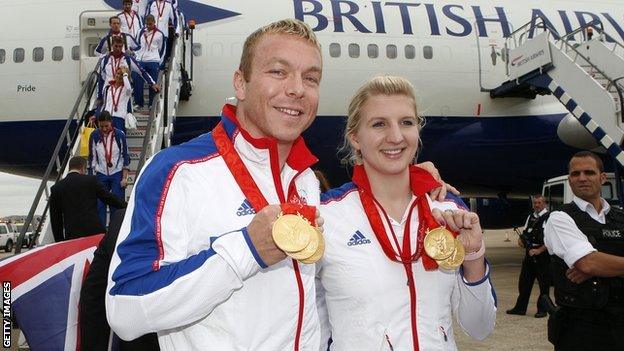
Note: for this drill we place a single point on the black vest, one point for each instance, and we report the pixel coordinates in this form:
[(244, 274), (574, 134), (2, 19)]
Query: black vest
[(595, 293), (533, 234)]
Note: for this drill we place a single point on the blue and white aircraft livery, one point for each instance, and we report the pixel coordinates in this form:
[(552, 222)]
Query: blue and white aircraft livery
[(449, 50)]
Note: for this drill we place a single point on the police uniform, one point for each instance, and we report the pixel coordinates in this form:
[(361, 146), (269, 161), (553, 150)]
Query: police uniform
[(533, 267), (591, 315)]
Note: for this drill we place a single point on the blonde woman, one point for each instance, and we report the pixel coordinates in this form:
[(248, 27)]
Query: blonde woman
[(381, 289)]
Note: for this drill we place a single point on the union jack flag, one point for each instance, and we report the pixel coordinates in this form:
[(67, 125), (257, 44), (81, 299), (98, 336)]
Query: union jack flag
[(46, 284)]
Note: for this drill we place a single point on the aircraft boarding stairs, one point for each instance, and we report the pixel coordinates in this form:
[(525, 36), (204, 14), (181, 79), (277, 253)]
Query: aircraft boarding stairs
[(585, 75), (154, 127)]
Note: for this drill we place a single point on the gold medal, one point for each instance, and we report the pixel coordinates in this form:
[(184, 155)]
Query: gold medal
[(311, 248), (439, 243), (456, 258), (319, 250), (290, 233)]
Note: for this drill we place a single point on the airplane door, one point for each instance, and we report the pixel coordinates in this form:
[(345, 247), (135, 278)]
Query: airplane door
[(93, 27), (490, 44)]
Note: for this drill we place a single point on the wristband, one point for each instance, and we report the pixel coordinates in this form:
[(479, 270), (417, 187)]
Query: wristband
[(477, 254)]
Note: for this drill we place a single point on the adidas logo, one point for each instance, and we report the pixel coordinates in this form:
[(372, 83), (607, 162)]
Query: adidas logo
[(358, 239), (245, 209)]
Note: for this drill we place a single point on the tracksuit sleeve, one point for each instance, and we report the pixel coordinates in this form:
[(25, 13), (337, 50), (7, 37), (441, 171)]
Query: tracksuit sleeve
[(474, 305), (124, 151), (163, 47), (92, 158), (135, 43), (155, 283), (100, 47), (134, 66)]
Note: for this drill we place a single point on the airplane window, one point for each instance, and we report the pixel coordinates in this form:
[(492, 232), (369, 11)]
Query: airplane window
[(18, 55), (75, 53), (373, 50), (428, 52), (57, 53), (2, 55), (197, 49), (334, 50), (354, 50), (391, 51), (410, 52), (38, 54)]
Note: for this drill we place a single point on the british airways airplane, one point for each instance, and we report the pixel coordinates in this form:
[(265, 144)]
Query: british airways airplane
[(450, 50)]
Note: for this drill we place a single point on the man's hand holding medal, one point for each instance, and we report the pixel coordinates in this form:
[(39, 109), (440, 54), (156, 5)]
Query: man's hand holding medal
[(288, 230)]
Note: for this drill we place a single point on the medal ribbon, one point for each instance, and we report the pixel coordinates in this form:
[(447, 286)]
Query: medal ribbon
[(160, 10), (114, 63), (108, 149), (149, 42), (247, 184), (116, 101), (420, 182), (128, 23), (253, 194)]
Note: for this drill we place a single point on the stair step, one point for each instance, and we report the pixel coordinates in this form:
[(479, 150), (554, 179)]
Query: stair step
[(139, 132), (134, 153)]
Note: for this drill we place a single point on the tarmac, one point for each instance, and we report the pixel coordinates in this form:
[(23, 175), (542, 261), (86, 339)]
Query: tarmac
[(511, 332)]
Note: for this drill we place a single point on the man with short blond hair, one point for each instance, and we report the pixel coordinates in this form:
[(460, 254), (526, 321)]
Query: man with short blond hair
[(189, 263)]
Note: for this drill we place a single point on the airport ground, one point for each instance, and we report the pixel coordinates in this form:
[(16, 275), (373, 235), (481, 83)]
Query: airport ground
[(512, 333)]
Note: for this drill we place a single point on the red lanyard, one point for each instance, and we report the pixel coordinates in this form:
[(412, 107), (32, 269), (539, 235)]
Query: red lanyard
[(149, 42), (116, 101), (128, 23), (241, 174), (420, 182), (160, 10), (108, 148), (114, 63)]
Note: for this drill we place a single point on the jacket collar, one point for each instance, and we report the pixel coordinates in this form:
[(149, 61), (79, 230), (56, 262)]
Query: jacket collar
[(299, 158), (421, 181)]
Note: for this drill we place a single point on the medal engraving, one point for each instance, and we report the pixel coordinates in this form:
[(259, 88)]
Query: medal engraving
[(456, 258), (439, 243), (319, 251), (290, 234)]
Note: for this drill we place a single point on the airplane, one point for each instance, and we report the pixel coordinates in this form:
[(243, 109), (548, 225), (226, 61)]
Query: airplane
[(450, 50)]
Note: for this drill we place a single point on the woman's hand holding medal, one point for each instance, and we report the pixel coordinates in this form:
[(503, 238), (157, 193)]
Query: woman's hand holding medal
[(471, 237), (465, 223)]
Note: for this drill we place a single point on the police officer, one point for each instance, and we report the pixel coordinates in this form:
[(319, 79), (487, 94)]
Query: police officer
[(536, 260), (586, 241)]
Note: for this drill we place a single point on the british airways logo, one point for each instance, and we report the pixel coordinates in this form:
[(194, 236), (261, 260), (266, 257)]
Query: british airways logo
[(438, 18), (201, 13)]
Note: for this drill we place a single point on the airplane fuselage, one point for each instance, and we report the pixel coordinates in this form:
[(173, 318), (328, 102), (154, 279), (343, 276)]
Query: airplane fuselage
[(450, 51)]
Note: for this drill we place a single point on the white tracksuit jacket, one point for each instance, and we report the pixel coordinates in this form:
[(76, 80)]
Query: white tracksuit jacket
[(367, 300), (184, 265)]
